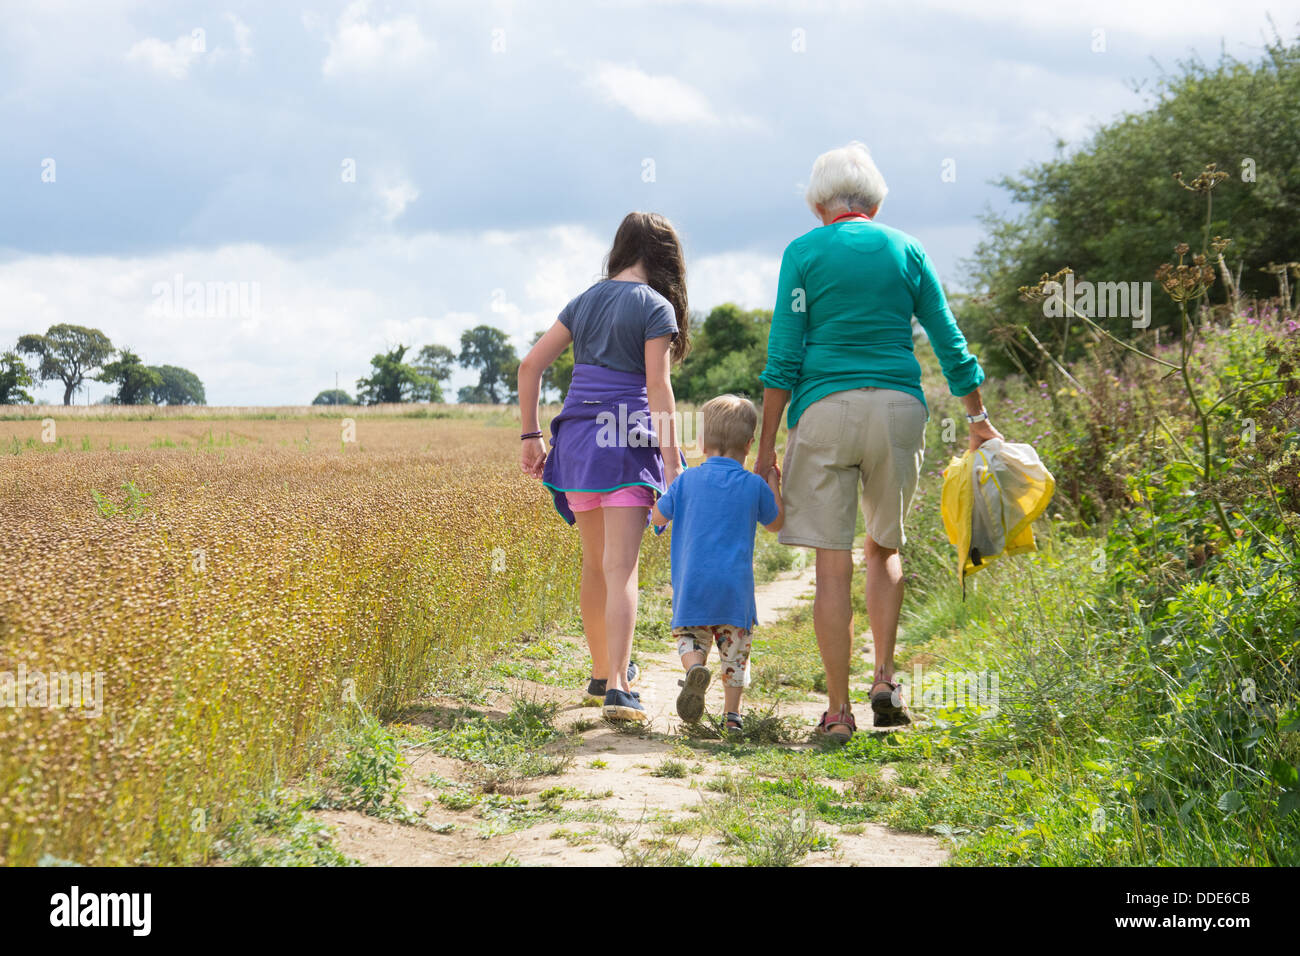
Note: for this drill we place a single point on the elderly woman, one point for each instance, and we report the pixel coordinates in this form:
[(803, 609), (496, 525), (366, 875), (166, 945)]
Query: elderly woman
[(840, 354)]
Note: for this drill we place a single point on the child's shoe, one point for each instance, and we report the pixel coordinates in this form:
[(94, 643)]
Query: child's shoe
[(690, 702), (733, 723), (621, 705)]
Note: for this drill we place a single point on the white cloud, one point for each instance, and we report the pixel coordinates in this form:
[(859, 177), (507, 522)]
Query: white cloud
[(173, 58), (569, 264), (394, 196), (745, 278), (316, 313), (1121, 20), (359, 45), (243, 35), (659, 99)]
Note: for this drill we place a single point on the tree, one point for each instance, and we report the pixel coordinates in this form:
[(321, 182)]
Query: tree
[(69, 353), (731, 329), (1112, 211), (728, 356), (135, 381), (489, 350), (392, 381), (558, 374), (177, 386), (434, 363), (333, 396), (15, 379)]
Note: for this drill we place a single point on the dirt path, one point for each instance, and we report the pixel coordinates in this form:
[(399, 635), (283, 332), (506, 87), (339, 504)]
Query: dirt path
[(613, 775)]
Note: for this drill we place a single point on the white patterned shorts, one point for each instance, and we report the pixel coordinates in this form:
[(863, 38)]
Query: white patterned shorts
[(733, 647)]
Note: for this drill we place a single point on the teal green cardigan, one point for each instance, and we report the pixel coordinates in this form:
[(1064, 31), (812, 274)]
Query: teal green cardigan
[(843, 316)]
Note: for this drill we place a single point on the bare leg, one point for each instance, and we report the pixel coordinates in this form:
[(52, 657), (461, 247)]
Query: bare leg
[(732, 697), (591, 525), (833, 622), (624, 528), (884, 602)]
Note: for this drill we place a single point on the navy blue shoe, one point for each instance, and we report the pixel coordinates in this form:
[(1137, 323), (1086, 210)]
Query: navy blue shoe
[(596, 691), (596, 688), (620, 705)]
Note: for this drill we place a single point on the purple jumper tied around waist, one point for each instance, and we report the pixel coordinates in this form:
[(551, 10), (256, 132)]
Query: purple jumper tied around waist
[(603, 438)]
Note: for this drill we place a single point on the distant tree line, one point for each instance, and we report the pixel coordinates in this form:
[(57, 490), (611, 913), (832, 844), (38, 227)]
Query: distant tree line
[(730, 349), (394, 379), (74, 354)]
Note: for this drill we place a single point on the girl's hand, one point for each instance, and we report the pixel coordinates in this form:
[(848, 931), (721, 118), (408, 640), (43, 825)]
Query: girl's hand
[(672, 465), (533, 456), (981, 432)]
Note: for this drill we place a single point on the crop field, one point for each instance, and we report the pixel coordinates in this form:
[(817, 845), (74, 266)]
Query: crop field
[(229, 592)]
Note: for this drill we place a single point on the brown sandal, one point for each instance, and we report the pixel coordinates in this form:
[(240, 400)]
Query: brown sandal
[(887, 707), (843, 719)]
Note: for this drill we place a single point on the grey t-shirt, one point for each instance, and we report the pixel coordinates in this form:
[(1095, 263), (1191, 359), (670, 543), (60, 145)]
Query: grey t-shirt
[(612, 321)]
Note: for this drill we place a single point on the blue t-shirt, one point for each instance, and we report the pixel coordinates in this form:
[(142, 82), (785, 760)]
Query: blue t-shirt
[(715, 509), (612, 321)]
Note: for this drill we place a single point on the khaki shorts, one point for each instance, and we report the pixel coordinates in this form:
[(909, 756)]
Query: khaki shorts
[(869, 436)]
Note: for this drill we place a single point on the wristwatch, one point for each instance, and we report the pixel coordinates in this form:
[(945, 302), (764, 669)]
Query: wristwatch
[(983, 416)]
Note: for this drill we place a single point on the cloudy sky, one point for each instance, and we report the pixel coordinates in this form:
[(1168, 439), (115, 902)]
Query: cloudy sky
[(336, 178)]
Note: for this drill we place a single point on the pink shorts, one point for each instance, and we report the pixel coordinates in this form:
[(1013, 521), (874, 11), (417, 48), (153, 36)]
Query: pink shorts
[(633, 496)]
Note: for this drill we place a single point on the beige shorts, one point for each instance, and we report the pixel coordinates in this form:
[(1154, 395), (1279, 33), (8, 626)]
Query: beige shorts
[(869, 436)]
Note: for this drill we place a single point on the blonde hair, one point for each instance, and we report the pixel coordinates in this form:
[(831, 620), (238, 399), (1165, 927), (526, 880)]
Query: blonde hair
[(728, 423)]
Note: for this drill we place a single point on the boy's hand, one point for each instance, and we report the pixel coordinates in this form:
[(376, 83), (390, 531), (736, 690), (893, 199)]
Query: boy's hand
[(773, 478)]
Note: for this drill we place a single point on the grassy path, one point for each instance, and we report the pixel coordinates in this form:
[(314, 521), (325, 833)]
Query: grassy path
[(524, 771)]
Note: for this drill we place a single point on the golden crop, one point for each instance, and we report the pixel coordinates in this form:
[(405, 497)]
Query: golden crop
[(269, 575)]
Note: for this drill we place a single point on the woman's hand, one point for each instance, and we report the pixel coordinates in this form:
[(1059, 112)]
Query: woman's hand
[(773, 479), (532, 457), (980, 432), (765, 461)]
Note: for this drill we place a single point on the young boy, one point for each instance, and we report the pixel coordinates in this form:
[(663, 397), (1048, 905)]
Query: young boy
[(714, 509)]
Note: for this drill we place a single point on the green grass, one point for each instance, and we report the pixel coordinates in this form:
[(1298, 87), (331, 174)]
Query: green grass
[(671, 769), (500, 754), (767, 823), (772, 558), (281, 832), (549, 658)]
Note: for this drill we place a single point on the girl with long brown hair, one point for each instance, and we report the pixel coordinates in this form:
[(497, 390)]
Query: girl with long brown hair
[(614, 447)]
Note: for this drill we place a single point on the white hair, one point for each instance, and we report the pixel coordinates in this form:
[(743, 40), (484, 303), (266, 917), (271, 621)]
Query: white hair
[(846, 177)]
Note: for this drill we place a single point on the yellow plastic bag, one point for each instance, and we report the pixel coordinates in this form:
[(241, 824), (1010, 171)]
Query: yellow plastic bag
[(991, 497)]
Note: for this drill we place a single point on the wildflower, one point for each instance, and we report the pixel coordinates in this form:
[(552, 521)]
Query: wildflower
[(1185, 282), (1047, 286), (1205, 181)]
